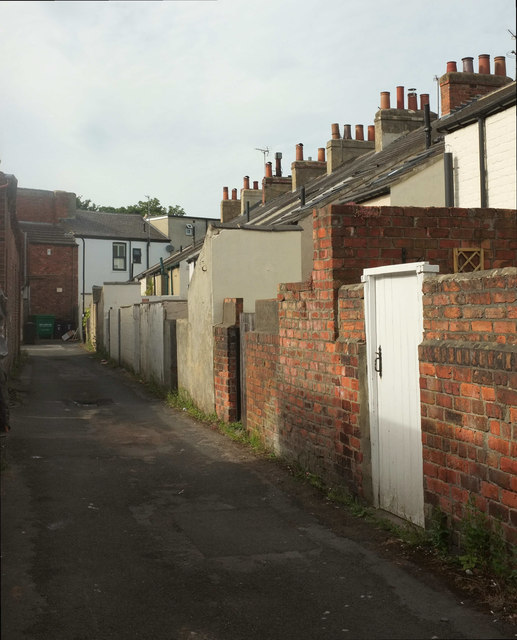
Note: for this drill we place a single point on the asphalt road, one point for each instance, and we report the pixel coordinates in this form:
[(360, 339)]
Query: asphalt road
[(124, 519)]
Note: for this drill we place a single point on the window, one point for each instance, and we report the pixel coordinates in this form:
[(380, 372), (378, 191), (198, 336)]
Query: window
[(119, 256), (137, 256)]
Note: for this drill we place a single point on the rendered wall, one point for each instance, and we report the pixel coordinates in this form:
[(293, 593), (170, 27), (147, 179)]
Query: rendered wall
[(423, 188), (195, 336), (234, 263)]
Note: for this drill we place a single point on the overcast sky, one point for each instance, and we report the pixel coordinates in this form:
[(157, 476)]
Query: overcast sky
[(118, 100)]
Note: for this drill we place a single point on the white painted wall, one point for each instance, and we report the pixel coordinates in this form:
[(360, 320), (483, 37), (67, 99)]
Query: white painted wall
[(500, 162), (501, 159), (96, 258)]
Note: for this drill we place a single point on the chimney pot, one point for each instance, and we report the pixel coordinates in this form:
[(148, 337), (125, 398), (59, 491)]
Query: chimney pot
[(246, 184), (278, 164), (225, 193), (385, 99), (424, 99), (234, 194), (400, 97), (335, 131), (269, 169), (500, 66), (468, 65), (412, 103), (321, 154), (451, 66), (255, 184), (359, 132), (484, 63), (371, 133), (347, 132), (299, 152)]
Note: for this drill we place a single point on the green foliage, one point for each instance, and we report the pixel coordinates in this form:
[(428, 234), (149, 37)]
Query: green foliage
[(483, 546), (151, 207)]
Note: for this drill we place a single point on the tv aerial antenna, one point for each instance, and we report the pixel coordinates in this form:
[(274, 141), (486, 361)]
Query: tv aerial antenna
[(264, 151)]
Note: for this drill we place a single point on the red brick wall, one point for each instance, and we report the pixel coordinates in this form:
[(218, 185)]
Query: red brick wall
[(11, 266), (227, 362), (468, 367), (50, 272), (306, 387), (37, 205)]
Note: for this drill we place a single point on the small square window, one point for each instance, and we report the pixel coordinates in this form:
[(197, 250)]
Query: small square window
[(119, 256)]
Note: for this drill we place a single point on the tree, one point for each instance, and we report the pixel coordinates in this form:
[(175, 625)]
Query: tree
[(153, 207)]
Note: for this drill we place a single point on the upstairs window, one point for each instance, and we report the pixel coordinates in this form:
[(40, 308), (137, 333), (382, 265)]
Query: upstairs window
[(119, 256)]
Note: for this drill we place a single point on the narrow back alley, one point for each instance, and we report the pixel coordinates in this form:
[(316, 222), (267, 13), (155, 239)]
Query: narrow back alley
[(125, 519)]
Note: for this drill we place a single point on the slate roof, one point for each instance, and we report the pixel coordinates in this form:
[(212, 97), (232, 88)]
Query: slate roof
[(46, 233), (111, 226), (369, 176), (480, 107), (189, 253)]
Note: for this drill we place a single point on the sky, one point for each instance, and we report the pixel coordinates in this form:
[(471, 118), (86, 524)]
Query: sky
[(175, 99)]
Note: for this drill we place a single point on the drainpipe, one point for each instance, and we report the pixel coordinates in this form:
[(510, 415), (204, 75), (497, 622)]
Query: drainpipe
[(483, 192), (449, 180), (130, 261), (83, 286), (427, 125)]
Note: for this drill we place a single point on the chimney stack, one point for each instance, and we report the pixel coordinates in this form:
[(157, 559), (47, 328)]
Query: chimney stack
[(304, 170), (343, 151), (390, 123), (458, 88), (229, 208)]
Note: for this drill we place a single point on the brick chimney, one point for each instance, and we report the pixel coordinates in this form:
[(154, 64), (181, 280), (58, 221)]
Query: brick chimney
[(342, 150), (251, 196), (274, 185), (230, 208), (391, 123), (305, 170), (458, 87)]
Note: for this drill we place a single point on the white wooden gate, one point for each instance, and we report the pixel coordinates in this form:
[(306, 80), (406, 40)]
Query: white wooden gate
[(394, 329)]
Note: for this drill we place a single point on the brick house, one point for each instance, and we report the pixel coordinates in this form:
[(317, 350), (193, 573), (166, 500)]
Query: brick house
[(51, 254)]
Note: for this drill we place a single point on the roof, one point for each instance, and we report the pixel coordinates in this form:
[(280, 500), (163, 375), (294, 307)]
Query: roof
[(368, 176), (189, 254), (46, 233), (112, 226), (480, 107)]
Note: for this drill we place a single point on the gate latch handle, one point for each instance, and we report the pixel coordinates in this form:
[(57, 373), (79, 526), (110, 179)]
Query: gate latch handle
[(378, 362)]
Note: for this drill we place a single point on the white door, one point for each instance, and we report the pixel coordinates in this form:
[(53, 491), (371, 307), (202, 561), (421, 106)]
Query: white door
[(394, 329)]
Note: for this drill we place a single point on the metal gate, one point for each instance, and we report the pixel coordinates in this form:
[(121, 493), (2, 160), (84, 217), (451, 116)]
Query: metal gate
[(394, 329), (246, 323)]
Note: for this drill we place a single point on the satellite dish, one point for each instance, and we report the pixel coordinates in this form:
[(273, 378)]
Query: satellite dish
[(169, 248)]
